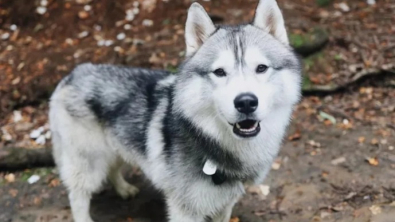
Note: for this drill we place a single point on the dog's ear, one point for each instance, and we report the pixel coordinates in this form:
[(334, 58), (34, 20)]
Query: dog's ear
[(198, 28), (268, 17)]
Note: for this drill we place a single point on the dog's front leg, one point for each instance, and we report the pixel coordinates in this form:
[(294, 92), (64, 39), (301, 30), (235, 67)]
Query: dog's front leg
[(80, 202), (178, 214), (225, 214)]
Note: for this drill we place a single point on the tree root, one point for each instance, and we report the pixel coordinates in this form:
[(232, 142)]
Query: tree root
[(13, 159), (333, 88)]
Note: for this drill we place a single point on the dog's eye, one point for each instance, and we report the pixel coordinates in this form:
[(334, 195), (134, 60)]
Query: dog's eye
[(220, 72), (261, 68)]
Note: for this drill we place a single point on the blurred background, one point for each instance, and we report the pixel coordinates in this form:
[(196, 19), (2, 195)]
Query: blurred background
[(338, 159)]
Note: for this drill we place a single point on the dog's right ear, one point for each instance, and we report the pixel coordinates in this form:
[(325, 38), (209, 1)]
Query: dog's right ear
[(197, 29), (268, 17)]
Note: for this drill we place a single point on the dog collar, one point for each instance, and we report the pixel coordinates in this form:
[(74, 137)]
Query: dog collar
[(209, 168), (217, 176)]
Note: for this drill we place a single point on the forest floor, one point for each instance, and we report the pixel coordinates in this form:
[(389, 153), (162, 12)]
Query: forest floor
[(337, 162)]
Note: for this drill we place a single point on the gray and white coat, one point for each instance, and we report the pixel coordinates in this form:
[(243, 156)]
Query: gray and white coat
[(102, 116)]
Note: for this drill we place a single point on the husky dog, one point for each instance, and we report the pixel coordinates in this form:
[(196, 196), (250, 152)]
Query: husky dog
[(199, 136)]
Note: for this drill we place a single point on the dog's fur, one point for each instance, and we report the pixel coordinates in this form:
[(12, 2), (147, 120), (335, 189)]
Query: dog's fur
[(169, 125)]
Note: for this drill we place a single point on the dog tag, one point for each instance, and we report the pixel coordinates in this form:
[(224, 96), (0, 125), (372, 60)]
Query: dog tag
[(209, 168)]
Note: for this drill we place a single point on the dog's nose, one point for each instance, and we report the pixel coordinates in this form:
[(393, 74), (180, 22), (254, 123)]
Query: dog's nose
[(246, 103)]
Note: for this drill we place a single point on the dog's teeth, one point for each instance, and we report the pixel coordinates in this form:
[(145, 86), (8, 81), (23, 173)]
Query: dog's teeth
[(249, 130)]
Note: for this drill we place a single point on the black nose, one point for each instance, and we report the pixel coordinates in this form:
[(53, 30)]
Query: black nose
[(246, 103)]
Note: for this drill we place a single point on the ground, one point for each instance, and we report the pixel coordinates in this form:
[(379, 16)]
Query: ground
[(338, 159)]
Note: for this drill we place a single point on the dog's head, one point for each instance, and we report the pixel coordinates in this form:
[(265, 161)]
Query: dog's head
[(237, 75)]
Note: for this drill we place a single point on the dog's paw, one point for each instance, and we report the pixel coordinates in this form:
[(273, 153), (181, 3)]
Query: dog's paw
[(127, 190)]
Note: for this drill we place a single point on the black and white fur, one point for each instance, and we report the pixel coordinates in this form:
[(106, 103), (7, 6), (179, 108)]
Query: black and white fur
[(102, 116)]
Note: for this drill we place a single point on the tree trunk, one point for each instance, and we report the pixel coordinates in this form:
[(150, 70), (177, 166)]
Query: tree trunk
[(12, 159)]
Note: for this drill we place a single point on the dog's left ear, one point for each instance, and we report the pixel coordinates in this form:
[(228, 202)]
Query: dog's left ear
[(268, 17), (198, 28)]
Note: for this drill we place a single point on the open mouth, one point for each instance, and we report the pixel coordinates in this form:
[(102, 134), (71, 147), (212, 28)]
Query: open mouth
[(247, 128)]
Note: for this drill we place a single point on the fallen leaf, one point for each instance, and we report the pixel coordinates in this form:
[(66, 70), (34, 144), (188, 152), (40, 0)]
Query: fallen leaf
[(54, 183), (350, 195), (338, 161), (326, 116), (37, 201), (374, 141), (33, 179), (314, 144), (234, 219), (259, 213), (375, 209), (154, 59), (253, 190), (276, 165), (361, 139), (265, 189), (325, 214), (13, 192), (295, 136), (10, 178), (373, 161), (346, 124), (339, 207), (83, 14)]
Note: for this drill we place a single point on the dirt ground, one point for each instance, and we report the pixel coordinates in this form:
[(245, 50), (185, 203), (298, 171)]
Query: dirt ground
[(338, 159)]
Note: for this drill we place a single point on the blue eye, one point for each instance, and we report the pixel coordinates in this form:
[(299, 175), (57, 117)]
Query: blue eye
[(261, 68), (219, 72)]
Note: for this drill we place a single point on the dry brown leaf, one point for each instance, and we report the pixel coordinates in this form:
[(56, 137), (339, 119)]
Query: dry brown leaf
[(276, 165), (54, 183), (375, 209), (374, 141), (234, 219), (37, 201), (10, 178), (361, 139), (295, 136), (259, 213), (13, 192), (327, 122), (373, 161), (83, 14), (338, 161)]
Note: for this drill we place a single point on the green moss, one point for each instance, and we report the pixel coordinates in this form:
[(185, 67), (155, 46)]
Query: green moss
[(314, 36), (42, 172), (166, 22), (306, 83), (172, 69), (25, 175), (296, 40), (312, 60), (323, 3), (338, 57)]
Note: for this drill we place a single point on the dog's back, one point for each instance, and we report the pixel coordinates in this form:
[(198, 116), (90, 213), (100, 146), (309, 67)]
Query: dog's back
[(88, 107), (107, 89)]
